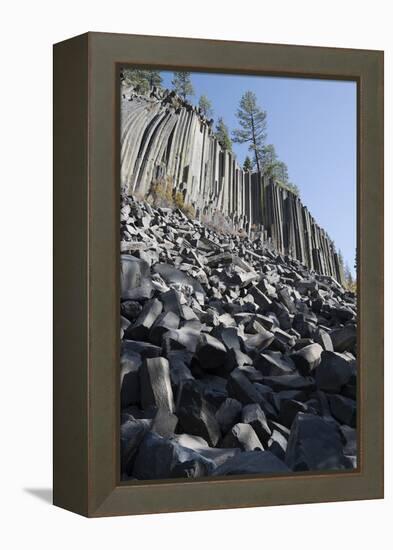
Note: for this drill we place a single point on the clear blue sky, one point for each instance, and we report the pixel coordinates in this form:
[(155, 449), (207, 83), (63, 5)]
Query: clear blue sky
[(312, 124)]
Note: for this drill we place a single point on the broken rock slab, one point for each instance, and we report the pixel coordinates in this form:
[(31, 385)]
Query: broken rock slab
[(242, 436), (163, 458), (155, 383), (196, 415), (315, 444)]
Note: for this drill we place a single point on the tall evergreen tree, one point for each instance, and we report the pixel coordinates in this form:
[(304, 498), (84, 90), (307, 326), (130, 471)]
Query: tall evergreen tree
[(247, 165), (182, 84), (205, 107), (252, 122), (349, 280), (222, 135)]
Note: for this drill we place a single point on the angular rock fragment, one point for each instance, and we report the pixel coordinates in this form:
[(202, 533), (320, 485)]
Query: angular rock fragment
[(259, 341), (196, 415), (181, 339), (240, 388), (164, 322), (242, 436), (254, 415), (132, 272), (132, 433), (289, 408), (129, 379), (307, 359), (156, 389), (172, 303), (130, 309), (315, 444), (344, 339), (343, 409), (236, 358), (274, 363), (228, 414), (163, 458), (260, 298), (211, 352), (333, 372), (323, 338), (278, 444), (144, 349), (178, 367), (349, 436), (290, 382), (141, 327), (164, 423), (252, 462)]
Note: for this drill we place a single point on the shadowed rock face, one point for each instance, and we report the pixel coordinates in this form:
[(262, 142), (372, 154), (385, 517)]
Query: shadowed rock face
[(215, 380), (165, 139)]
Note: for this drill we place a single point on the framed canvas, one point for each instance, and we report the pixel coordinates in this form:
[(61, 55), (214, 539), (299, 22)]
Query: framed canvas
[(218, 274)]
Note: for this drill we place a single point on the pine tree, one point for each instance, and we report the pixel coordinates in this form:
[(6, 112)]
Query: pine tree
[(154, 78), (205, 107), (252, 122), (142, 80), (247, 165), (222, 135), (349, 280), (182, 84)]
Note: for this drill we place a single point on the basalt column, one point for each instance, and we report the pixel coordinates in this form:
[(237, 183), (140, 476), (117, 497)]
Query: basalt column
[(163, 138)]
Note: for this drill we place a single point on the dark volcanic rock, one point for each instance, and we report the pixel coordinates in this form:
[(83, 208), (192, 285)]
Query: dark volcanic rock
[(211, 352), (334, 371), (290, 382), (315, 444), (323, 338), (196, 415), (274, 363), (256, 350), (344, 339), (242, 389), (243, 436), (307, 359), (131, 436), (343, 409), (252, 462), (278, 444), (164, 322), (228, 414), (254, 415), (162, 458), (129, 379), (144, 349), (289, 409), (141, 327), (156, 389), (132, 272), (164, 423)]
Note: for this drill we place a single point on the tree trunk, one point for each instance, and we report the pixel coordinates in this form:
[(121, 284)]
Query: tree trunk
[(255, 144)]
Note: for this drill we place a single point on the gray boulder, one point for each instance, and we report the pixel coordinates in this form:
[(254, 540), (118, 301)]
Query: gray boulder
[(315, 444), (156, 389)]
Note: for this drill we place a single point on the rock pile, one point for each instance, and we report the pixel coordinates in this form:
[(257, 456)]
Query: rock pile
[(234, 359)]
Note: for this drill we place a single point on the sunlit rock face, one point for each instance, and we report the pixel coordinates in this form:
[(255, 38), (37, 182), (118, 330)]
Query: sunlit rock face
[(166, 139)]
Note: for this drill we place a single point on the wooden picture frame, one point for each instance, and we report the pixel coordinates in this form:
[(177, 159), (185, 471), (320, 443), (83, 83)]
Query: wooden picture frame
[(86, 274)]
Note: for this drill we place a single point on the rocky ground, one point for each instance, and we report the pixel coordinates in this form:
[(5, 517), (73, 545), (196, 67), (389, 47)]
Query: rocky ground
[(234, 359)]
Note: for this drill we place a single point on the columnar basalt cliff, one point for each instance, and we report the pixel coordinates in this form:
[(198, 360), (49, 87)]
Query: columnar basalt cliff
[(166, 139)]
